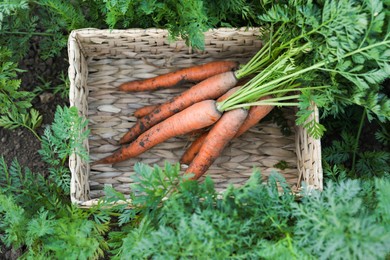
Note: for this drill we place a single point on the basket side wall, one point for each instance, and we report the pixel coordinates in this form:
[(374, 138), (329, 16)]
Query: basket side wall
[(78, 74)]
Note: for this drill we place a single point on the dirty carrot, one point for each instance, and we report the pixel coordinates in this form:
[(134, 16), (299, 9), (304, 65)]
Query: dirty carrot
[(219, 136), (193, 149), (255, 114), (210, 88), (178, 124), (228, 94), (143, 111), (191, 74)]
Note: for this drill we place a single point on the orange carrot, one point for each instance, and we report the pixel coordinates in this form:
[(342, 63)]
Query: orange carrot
[(178, 124), (219, 136), (143, 111), (255, 114), (192, 74), (210, 88), (228, 94), (193, 149)]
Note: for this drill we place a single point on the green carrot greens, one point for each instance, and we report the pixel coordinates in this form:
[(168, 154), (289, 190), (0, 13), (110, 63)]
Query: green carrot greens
[(332, 53)]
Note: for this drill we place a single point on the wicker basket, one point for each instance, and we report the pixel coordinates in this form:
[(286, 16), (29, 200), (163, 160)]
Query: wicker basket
[(102, 59)]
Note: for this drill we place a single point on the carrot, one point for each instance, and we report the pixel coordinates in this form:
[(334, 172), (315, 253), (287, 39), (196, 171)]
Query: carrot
[(219, 136), (178, 124), (255, 114), (191, 74), (193, 149), (210, 88), (143, 111), (228, 94)]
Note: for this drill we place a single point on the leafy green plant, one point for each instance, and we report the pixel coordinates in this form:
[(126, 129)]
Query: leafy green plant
[(336, 224), (196, 213), (35, 211), (62, 138), (51, 21), (61, 232), (185, 19), (333, 53), (15, 105), (258, 220), (10, 7), (35, 214), (61, 89), (348, 151)]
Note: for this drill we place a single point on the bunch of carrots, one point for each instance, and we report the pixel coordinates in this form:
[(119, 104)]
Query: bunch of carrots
[(317, 52), (194, 109)]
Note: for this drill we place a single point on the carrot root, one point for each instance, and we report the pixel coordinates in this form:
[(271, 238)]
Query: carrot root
[(193, 149), (228, 94), (191, 74), (143, 111), (255, 114), (219, 136), (210, 88), (178, 124)]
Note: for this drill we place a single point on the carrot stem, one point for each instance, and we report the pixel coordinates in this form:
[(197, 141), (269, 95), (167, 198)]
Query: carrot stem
[(356, 144)]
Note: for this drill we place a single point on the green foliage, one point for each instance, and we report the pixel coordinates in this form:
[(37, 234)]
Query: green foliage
[(35, 212), (383, 134), (336, 224), (150, 187), (64, 233), (176, 218), (64, 137), (258, 220), (358, 40), (15, 105), (10, 97), (10, 7), (335, 53), (185, 19), (30, 120), (368, 163), (356, 150), (52, 21), (62, 89), (195, 220), (22, 185)]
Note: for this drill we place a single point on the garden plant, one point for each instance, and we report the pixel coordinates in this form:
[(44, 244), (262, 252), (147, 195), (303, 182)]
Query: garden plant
[(334, 53)]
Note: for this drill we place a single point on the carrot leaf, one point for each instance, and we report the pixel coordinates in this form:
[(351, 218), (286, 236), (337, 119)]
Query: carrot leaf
[(64, 137), (344, 43)]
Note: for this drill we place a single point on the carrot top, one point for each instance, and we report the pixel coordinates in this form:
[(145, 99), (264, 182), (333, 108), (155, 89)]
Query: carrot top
[(333, 54)]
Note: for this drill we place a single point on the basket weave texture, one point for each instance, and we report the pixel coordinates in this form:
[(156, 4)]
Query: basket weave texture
[(100, 60)]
